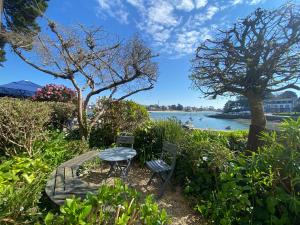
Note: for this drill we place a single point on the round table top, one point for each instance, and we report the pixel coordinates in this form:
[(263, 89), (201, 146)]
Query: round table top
[(117, 154)]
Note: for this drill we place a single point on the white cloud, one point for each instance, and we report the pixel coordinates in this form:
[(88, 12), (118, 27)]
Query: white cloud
[(211, 11), (139, 4), (104, 4), (200, 3), (254, 2), (185, 5), (187, 42), (200, 18), (236, 2), (136, 3), (166, 22), (162, 13), (114, 9)]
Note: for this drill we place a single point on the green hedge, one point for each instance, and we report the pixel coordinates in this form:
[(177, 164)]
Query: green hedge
[(225, 185), (22, 122), (149, 138), (116, 117)]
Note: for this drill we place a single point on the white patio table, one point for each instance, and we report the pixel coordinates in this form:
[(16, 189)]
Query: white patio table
[(119, 158)]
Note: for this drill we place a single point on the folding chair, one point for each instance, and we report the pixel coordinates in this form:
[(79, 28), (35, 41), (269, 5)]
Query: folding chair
[(125, 140), (164, 167), (124, 165)]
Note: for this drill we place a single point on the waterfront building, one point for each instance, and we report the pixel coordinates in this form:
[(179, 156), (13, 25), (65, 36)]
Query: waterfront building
[(280, 105)]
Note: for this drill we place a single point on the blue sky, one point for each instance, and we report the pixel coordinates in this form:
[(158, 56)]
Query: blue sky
[(173, 28)]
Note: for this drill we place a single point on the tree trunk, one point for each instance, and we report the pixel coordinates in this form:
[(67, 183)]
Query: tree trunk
[(1, 14), (81, 117), (258, 123)]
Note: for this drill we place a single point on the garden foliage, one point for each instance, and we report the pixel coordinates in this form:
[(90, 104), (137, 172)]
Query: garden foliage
[(224, 184), (21, 183), (22, 122), (115, 117), (62, 115), (23, 178), (263, 188), (149, 138), (116, 204)]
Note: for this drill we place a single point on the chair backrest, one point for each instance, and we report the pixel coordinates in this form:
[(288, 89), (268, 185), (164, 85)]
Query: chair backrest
[(128, 140), (169, 151)]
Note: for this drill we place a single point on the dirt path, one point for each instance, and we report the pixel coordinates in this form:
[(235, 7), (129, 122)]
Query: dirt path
[(173, 201)]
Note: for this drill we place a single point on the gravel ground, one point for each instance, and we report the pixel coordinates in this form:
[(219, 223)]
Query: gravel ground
[(173, 201)]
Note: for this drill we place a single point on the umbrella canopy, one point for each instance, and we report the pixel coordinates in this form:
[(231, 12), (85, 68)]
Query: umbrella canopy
[(21, 89)]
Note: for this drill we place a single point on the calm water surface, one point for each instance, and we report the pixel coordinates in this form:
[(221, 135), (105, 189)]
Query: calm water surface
[(200, 120)]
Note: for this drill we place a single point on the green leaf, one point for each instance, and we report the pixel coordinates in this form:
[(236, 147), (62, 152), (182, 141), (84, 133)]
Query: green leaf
[(29, 179), (49, 218), (271, 204), (85, 212)]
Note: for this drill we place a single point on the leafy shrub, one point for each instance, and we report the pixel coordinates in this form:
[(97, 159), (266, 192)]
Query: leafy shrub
[(263, 188), (150, 137), (225, 185), (234, 140), (21, 182), (199, 164), (62, 114), (20, 169), (21, 123), (20, 204), (22, 179), (101, 136), (116, 204), (56, 93), (56, 149), (116, 117)]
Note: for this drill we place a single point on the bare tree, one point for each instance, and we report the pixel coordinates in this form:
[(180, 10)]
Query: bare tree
[(93, 61), (258, 55)]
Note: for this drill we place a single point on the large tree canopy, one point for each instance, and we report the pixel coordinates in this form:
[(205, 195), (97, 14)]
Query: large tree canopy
[(20, 16), (258, 55), (93, 61)]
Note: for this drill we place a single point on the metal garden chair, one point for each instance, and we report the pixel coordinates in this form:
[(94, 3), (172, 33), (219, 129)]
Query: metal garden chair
[(122, 140), (125, 140), (164, 167)]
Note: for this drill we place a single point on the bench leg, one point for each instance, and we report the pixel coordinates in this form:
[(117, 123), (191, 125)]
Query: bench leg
[(163, 188), (166, 182)]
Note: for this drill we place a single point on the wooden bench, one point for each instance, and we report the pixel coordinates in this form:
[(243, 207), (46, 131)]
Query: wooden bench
[(64, 182)]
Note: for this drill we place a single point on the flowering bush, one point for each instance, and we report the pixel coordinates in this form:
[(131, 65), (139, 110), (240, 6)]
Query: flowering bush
[(57, 93)]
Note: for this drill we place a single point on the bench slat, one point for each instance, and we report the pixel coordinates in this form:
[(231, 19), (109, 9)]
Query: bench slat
[(59, 180), (68, 179), (50, 186)]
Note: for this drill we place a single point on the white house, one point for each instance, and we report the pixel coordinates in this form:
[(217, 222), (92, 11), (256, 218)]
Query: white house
[(280, 105)]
